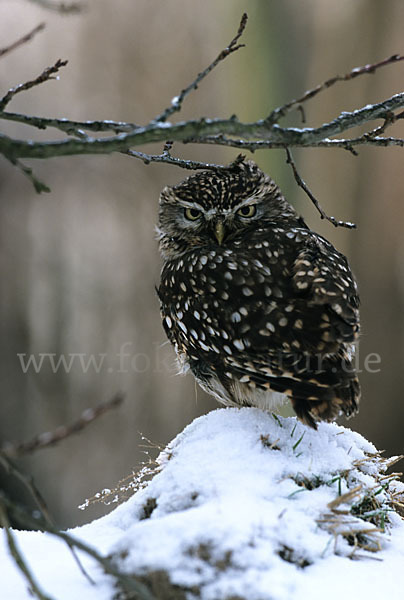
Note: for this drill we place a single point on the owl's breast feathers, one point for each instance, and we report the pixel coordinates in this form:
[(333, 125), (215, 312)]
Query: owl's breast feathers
[(278, 311)]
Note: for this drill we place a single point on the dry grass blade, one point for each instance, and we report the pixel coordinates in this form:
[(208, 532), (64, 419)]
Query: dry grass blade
[(345, 498), (129, 485)]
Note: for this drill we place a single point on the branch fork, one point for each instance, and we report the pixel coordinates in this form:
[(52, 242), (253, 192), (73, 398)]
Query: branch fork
[(80, 137)]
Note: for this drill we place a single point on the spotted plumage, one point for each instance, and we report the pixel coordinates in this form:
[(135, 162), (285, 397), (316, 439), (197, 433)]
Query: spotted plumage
[(257, 305)]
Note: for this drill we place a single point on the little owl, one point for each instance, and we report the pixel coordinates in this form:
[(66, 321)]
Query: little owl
[(259, 307)]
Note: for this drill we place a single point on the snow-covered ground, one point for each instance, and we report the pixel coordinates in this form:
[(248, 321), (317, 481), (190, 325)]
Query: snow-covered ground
[(244, 505)]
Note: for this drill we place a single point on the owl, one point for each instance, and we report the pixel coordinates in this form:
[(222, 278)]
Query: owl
[(257, 306)]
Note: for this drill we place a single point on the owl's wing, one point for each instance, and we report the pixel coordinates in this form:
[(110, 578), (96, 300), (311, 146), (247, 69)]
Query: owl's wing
[(321, 275), (301, 342)]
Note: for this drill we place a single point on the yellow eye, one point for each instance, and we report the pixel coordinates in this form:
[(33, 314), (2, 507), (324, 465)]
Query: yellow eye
[(192, 214), (247, 211)]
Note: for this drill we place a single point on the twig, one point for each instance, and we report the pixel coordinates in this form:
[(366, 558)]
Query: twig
[(18, 557), (44, 440), (316, 203), (60, 7), (165, 157), (26, 38), (176, 102), (252, 146), (126, 582), (77, 128), (46, 75), (281, 111), (39, 185), (28, 482)]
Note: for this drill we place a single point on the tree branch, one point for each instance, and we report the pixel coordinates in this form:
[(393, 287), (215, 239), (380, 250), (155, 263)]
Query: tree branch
[(262, 134), (176, 102), (314, 200), (26, 38), (29, 484), (46, 75), (280, 112), (167, 158), (17, 556), (196, 131), (60, 7), (71, 127), (126, 582), (44, 440)]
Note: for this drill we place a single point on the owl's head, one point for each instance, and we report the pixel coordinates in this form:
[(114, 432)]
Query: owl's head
[(215, 208)]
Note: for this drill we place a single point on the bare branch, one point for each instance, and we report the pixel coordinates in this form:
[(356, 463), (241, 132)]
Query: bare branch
[(252, 146), (39, 185), (316, 203), (60, 7), (126, 582), (280, 112), (46, 75), (198, 130), (17, 556), (28, 483), (76, 128), (26, 38), (176, 102), (264, 133), (167, 158), (44, 440)]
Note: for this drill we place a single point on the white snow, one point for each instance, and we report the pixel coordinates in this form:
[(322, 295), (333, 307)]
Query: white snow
[(231, 513)]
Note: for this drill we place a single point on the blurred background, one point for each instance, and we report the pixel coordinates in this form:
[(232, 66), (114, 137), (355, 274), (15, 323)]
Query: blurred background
[(79, 265)]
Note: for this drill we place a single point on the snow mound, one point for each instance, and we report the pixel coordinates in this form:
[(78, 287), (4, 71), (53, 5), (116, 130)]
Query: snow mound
[(243, 505), (251, 505)]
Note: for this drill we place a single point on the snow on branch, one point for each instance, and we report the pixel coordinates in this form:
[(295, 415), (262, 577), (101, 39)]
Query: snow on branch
[(46, 75), (265, 133)]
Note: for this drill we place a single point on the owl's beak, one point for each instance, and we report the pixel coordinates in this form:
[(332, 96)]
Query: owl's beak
[(219, 231)]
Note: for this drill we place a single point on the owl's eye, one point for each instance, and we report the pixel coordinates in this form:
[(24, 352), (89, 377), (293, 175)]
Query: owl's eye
[(192, 214), (247, 211)]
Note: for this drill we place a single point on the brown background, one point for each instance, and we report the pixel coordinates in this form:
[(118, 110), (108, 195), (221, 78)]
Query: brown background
[(79, 265)]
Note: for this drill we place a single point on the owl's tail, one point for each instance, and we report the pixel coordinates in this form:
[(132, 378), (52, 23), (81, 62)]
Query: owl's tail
[(329, 403), (318, 390)]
